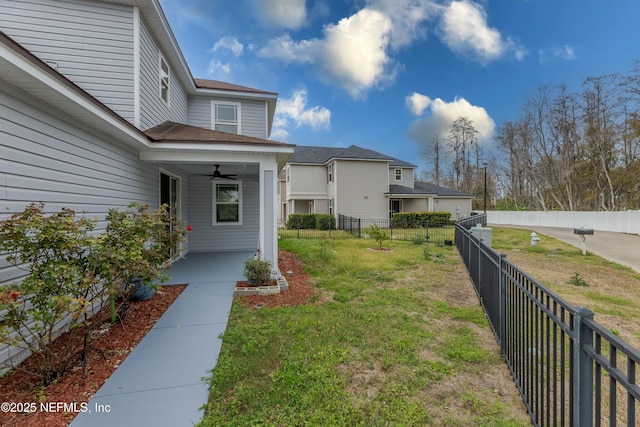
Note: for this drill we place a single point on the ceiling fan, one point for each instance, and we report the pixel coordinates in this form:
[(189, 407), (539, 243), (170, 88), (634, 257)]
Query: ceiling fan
[(217, 175)]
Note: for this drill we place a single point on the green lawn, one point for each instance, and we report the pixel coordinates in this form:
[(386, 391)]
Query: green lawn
[(391, 339), (611, 290)]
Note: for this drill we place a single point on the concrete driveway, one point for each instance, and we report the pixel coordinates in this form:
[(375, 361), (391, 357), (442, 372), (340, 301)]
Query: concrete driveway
[(617, 247)]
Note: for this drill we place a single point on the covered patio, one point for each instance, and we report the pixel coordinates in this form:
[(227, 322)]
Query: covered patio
[(163, 380)]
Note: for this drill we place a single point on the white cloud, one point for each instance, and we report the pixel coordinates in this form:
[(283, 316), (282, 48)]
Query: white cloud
[(441, 114), (417, 103), (218, 69), (407, 18), (356, 51), (353, 52), (228, 43), (287, 14), (464, 28), (294, 111), (290, 51), (565, 52)]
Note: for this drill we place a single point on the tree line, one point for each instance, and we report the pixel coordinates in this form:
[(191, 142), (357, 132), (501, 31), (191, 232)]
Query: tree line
[(564, 151)]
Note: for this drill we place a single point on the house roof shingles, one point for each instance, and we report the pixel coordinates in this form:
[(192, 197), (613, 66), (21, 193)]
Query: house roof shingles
[(218, 85), (321, 155), (426, 188), (168, 132)]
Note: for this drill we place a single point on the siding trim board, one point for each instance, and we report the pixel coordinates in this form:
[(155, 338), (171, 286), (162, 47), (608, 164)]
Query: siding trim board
[(137, 22)]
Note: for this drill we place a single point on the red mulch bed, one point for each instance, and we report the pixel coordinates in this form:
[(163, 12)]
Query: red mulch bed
[(300, 290), (116, 343)]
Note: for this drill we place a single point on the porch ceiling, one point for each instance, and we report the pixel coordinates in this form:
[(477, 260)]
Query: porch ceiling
[(207, 168)]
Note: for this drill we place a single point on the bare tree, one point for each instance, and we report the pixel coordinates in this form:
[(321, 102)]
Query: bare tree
[(461, 137), (600, 135)]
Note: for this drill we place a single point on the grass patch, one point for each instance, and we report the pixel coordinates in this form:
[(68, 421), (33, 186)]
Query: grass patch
[(611, 290), (392, 339)]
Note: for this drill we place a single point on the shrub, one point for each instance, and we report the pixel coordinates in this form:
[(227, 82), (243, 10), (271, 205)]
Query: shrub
[(58, 288), (378, 234), (311, 221), (325, 222), (301, 221), (417, 219), (257, 271), (70, 273)]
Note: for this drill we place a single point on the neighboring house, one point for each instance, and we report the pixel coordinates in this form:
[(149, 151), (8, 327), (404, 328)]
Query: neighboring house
[(98, 108), (361, 183)]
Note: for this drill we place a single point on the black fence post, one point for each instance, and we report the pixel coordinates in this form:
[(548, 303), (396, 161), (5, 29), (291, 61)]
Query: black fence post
[(582, 375), (359, 229), (503, 303), (480, 272)]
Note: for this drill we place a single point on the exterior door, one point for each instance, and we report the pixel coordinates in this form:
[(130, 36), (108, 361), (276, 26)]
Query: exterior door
[(169, 195), (394, 206)]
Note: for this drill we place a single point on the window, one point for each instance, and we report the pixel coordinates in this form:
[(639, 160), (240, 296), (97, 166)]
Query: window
[(330, 173), (330, 206), (164, 80), (398, 174), (227, 203), (226, 116)]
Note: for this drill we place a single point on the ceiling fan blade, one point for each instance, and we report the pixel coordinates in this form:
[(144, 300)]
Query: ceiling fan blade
[(217, 175)]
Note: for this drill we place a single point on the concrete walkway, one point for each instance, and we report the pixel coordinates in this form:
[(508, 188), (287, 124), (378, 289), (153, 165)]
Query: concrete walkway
[(617, 247), (163, 381)]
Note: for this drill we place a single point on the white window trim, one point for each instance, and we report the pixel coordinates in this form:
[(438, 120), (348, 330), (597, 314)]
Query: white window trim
[(215, 202), (222, 102), (162, 75), (330, 172), (395, 174)]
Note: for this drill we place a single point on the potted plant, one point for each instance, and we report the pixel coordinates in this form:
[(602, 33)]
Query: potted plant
[(257, 271)]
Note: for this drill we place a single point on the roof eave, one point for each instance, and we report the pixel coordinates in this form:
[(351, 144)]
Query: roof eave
[(24, 71)]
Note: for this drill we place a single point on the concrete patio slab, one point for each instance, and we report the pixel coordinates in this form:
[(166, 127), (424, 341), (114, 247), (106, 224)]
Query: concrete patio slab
[(163, 381)]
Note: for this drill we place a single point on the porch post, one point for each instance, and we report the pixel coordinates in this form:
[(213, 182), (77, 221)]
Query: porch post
[(268, 212)]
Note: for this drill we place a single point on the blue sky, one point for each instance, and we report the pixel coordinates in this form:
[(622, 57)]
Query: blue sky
[(391, 74)]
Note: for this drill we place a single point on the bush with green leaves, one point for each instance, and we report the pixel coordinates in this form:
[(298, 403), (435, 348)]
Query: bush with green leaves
[(311, 222), (257, 271), (135, 247), (378, 234), (418, 219), (59, 287), (325, 222), (71, 272)]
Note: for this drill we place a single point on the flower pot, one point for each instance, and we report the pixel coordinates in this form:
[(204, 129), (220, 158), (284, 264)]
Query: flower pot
[(142, 291)]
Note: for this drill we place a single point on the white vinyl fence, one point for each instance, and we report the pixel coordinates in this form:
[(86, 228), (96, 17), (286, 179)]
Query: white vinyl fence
[(619, 221)]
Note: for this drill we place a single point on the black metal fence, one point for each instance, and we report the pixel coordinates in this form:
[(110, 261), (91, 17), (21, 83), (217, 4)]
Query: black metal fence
[(569, 369), (350, 227)]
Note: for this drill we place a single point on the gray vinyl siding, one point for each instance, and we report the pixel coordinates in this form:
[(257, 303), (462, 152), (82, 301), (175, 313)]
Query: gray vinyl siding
[(407, 177), (153, 109), (361, 188), (91, 42), (253, 116), (46, 157), (207, 237)]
